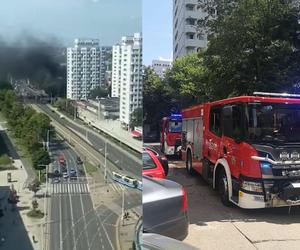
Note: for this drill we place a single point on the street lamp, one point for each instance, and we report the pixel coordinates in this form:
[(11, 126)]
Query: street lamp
[(105, 177)]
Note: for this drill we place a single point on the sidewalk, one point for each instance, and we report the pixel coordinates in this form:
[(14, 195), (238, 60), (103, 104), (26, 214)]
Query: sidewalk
[(110, 127), (127, 230), (15, 226)]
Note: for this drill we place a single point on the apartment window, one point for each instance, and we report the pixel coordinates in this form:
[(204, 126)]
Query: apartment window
[(176, 47), (190, 35), (176, 10), (190, 21), (200, 36), (190, 7), (176, 35)]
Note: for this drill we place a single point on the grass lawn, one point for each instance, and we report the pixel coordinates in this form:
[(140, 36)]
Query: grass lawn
[(90, 169)]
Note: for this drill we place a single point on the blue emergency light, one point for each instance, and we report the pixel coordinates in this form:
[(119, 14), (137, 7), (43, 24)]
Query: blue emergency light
[(176, 116)]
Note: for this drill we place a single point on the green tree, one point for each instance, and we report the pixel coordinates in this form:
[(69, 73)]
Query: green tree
[(40, 158), (186, 80), (255, 48), (156, 100), (35, 205), (136, 118), (99, 92), (35, 186)]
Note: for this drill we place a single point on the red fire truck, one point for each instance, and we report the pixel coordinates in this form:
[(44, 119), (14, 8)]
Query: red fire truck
[(170, 135), (62, 160), (247, 147)]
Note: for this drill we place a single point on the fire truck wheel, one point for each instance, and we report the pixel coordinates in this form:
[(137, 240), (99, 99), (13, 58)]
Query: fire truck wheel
[(189, 164), (223, 188)]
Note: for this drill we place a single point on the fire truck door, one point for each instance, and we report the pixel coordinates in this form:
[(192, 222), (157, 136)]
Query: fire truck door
[(213, 138)]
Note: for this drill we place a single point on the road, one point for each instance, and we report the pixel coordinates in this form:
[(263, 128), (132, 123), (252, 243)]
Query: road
[(115, 154), (214, 226), (75, 222)]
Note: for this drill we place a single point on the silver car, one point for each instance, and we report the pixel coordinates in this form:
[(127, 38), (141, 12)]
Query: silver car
[(164, 208)]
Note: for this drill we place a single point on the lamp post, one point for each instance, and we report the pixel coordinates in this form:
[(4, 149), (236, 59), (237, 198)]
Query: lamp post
[(105, 177)]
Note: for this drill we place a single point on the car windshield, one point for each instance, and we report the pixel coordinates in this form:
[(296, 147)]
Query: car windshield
[(148, 163), (175, 126), (273, 122)]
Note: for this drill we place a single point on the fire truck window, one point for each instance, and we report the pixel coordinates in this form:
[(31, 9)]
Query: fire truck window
[(215, 121), (232, 121), (274, 122), (175, 126)]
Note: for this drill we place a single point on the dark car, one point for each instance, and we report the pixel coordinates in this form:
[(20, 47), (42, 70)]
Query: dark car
[(161, 157), (160, 242), (164, 208), (155, 241)]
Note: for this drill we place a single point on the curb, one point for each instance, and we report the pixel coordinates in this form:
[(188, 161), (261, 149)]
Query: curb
[(118, 233)]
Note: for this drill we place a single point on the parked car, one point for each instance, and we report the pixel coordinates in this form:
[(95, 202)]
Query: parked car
[(65, 175), (79, 161), (56, 180), (159, 242), (161, 157), (151, 165), (164, 208)]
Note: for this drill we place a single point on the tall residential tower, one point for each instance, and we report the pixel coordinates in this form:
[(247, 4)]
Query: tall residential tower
[(188, 35), (83, 68), (127, 75)]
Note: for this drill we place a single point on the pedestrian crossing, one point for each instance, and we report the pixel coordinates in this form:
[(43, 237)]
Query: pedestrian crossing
[(68, 188), (117, 187)]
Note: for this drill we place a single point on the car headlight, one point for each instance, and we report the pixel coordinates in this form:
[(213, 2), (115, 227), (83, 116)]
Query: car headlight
[(252, 186), (266, 168)]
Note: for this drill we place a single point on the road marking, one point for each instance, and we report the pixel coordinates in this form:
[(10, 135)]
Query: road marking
[(60, 224)]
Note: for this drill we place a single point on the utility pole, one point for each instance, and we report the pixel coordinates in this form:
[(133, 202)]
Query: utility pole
[(123, 204), (75, 108), (105, 177)]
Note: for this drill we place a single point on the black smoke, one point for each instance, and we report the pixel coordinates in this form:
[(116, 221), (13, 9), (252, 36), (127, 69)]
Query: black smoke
[(40, 61)]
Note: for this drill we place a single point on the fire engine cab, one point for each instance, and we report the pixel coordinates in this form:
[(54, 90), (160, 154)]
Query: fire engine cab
[(170, 137), (247, 147)]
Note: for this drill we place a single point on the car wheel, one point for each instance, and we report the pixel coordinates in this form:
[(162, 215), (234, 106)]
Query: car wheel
[(189, 164), (223, 188)]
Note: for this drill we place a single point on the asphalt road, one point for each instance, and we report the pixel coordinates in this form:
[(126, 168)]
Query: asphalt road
[(75, 224), (214, 226), (114, 154)]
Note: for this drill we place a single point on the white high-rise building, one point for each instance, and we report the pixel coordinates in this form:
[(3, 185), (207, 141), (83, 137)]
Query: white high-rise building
[(161, 66), (188, 35), (116, 71), (105, 63), (127, 67), (83, 68)]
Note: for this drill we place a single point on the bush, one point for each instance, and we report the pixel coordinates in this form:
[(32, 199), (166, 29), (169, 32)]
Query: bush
[(35, 214)]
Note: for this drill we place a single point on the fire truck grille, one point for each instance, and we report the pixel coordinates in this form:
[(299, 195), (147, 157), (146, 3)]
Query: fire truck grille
[(178, 142)]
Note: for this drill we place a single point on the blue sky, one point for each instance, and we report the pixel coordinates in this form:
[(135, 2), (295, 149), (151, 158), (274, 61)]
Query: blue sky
[(157, 30), (107, 20)]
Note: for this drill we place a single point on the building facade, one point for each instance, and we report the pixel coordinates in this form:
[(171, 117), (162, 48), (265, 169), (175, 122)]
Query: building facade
[(105, 63), (161, 66), (188, 35), (83, 68), (127, 75)]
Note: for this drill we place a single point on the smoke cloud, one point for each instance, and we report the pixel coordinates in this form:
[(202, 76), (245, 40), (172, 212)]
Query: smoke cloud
[(40, 61)]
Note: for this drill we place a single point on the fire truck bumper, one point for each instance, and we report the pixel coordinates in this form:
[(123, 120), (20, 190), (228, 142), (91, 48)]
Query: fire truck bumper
[(253, 201), (247, 200), (169, 150)]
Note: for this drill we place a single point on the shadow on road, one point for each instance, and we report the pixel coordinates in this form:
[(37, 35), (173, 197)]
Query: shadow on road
[(12, 228), (205, 206)]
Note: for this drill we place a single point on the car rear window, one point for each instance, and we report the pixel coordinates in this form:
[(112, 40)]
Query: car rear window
[(148, 163)]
